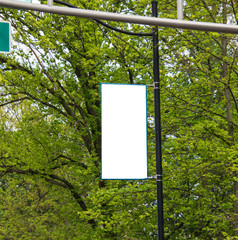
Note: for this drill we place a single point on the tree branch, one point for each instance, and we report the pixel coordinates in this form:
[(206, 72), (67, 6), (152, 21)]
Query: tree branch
[(15, 100), (56, 180)]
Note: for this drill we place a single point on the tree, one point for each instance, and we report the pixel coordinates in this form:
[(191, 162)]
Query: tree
[(50, 126), (201, 92)]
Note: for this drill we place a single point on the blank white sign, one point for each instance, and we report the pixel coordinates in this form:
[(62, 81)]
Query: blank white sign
[(124, 131)]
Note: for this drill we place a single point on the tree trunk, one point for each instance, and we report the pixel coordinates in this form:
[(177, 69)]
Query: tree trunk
[(227, 94)]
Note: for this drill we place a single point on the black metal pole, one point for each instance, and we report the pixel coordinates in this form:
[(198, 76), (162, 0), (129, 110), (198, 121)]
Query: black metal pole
[(156, 75)]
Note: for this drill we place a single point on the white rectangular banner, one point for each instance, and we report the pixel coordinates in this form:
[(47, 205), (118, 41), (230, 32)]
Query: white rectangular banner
[(124, 131)]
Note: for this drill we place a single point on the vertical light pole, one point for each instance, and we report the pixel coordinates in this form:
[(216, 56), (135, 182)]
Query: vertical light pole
[(180, 9), (156, 74)]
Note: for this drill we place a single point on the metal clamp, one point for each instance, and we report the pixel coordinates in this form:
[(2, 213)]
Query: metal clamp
[(157, 177), (156, 85)]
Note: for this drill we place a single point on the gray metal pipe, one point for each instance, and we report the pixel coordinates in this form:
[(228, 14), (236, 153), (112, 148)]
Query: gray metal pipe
[(50, 3), (161, 22), (180, 9)]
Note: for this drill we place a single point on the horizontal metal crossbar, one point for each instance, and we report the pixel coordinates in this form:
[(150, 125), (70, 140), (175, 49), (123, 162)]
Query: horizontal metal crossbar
[(143, 20)]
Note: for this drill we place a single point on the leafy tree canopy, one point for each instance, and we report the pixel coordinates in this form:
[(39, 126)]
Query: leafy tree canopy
[(50, 125)]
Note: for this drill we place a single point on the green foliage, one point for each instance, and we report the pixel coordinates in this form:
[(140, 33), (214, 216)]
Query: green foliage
[(50, 126)]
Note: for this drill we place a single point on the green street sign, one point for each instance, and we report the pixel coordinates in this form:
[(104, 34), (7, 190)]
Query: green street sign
[(5, 37)]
